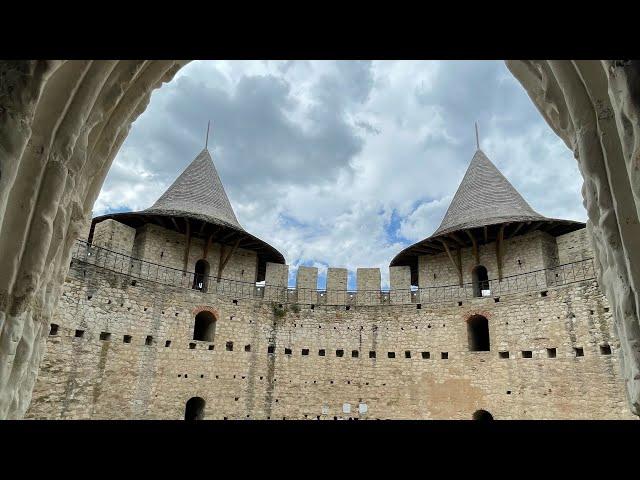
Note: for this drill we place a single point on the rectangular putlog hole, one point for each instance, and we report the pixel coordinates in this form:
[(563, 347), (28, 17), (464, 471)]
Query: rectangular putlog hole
[(53, 329), (503, 354), (552, 353)]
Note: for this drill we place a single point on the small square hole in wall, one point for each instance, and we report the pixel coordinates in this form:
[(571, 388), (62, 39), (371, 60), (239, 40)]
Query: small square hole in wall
[(287, 351), (79, 333), (247, 348), (355, 353), (552, 353), (126, 339), (305, 351), (229, 346), (235, 302), (348, 307), (312, 306), (418, 306), (543, 293), (606, 309), (321, 352), (605, 349), (271, 349), (579, 351), (496, 299), (527, 354), (508, 392), (459, 304), (372, 354), (148, 340), (391, 354), (210, 347), (444, 355), (426, 355), (192, 346), (503, 354), (339, 353), (407, 354), (53, 329), (133, 283)]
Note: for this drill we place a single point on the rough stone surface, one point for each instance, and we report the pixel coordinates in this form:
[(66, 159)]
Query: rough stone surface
[(594, 106), (61, 124), (137, 358)]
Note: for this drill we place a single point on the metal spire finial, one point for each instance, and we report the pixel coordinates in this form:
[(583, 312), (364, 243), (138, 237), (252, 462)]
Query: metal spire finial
[(206, 142), (477, 137)]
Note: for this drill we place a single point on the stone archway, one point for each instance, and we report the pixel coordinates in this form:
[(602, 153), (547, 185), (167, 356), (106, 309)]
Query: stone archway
[(62, 123)]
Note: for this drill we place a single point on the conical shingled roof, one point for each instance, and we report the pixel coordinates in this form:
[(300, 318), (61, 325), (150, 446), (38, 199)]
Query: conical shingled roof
[(199, 193), (197, 203), (485, 197), (484, 204)]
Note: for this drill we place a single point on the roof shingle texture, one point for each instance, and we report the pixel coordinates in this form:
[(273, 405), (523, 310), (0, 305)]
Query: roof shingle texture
[(198, 193), (485, 197)]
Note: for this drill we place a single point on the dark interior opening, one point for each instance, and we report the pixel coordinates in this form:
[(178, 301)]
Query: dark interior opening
[(480, 280), (482, 415), (194, 409), (201, 275), (478, 334), (205, 327)]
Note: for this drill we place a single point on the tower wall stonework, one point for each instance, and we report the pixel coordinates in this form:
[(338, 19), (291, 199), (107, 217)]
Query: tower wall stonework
[(311, 361), (167, 247), (524, 253), (114, 236), (574, 246), (400, 284)]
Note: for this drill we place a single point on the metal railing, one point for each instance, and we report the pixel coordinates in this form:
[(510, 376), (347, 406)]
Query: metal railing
[(538, 280)]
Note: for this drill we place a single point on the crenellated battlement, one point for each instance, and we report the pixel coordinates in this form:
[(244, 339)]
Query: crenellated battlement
[(368, 280)]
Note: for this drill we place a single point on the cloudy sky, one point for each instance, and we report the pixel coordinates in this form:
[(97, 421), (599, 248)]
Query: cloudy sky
[(341, 163)]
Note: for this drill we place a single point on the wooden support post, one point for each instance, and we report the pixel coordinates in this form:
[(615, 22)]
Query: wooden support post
[(459, 255), (207, 246), (476, 253), (224, 259), (520, 225), (457, 266), (499, 246), (186, 251)]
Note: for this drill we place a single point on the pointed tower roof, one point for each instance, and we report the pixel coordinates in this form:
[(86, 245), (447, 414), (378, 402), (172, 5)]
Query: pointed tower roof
[(484, 203), (485, 197), (197, 202), (197, 193)]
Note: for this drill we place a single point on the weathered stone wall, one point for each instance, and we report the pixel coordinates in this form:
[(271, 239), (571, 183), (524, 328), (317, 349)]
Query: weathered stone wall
[(523, 253), (167, 247), (114, 236), (574, 246), (322, 357)]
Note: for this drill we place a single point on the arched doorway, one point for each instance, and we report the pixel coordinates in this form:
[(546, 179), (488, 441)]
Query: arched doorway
[(201, 275), (482, 415), (194, 409), (478, 334), (480, 279), (205, 327)]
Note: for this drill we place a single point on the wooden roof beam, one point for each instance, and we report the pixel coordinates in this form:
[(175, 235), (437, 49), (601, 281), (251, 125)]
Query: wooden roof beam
[(474, 245)]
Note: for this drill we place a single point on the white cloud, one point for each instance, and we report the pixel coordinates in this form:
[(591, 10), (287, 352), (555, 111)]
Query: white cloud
[(343, 163)]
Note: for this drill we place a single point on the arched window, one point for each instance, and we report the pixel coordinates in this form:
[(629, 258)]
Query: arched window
[(201, 276), (478, 334), (482, 415), (205, 327), (194, 409), (480, 282)]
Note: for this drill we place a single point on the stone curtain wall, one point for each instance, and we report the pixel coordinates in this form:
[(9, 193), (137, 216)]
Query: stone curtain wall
[(594, 106), (61, 124), (90, 377)]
